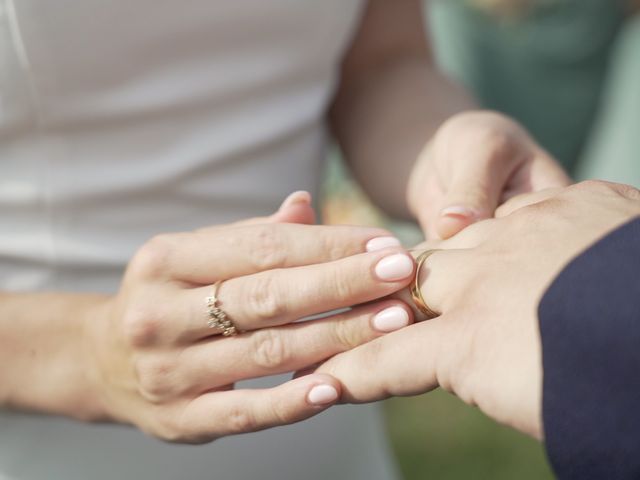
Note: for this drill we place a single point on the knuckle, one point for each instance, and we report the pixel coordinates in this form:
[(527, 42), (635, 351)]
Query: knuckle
[(142, 327), (592, 185), (269, 350), (628, 191), (241, 420), (264, 300), (605, 187), (281, 413), (346, 336), (343, 288), (172, 428), (153, 258), (268, 250), (331, 248), (156, 378), (598, 187)]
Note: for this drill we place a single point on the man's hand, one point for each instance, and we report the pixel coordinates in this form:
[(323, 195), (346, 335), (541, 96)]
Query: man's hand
[(487, 282), (475, 162)]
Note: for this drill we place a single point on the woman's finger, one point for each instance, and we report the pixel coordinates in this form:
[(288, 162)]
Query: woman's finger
[(206, 257), (547, 173), (475, 187), (406, 362), (225, 360), (281, 296), (218, 414)]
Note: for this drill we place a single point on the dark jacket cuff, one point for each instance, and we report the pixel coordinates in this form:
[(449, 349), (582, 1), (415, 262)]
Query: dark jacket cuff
[(590, 332)]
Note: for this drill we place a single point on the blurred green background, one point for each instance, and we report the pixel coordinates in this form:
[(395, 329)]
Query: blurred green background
[(569, 71), (436, 436)]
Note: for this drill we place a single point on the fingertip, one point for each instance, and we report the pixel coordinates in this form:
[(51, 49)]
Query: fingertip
[(323, 390), (380, 243), (392, 317), (459, 211), (394, 265)]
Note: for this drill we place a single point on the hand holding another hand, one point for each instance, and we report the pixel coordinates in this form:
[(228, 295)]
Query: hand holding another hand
[(487, 282), (154, 363)]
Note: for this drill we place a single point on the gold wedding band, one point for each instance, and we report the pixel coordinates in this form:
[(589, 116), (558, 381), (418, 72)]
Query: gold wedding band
[(218, 318), (416, 292)]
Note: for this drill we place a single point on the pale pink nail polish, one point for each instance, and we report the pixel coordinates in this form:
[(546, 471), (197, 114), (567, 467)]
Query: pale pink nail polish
[(390, 319), (380, 243), (459, 211), (322, 394), (394, 267)]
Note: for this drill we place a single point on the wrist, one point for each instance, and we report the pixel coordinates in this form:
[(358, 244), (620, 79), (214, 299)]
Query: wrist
[(97, 349), (44, 354)]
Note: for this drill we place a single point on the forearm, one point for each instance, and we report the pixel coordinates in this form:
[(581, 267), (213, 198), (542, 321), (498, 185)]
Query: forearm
[(384, 120), (43, 357)]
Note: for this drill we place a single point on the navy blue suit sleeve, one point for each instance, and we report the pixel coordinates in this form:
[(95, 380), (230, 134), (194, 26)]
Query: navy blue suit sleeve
[(590, 331)]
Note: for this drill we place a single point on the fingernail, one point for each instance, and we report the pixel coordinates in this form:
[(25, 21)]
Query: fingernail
[(459, 211), (322, 394), (301, 196), (381, 243), (394, 267), (390, 319)]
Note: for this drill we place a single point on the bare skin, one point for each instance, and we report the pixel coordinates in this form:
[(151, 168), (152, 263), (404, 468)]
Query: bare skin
[(487, 282), (108, 358), (146, 357)]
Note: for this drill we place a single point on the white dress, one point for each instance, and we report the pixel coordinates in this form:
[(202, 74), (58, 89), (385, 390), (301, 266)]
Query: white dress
[(120, 119)]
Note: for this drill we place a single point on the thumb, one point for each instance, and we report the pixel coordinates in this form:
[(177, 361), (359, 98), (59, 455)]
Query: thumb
[(473, 194)]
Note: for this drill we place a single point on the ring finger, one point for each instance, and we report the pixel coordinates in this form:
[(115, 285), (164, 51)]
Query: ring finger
[(443, 278)]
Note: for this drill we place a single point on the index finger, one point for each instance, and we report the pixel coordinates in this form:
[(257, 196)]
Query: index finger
[(205, 257)]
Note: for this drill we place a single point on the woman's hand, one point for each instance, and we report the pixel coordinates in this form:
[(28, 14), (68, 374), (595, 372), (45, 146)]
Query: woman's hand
[(487, 282), (475, 162), (156, 364)]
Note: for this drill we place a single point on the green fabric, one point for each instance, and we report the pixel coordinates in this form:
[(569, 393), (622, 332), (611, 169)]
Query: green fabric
[(613, 151), (546, 69)]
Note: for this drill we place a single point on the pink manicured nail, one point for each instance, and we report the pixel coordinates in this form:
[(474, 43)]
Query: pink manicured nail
[(301, 196), (390, 319), (380, 243), (459, 211), (322, 394), (394, 267)]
